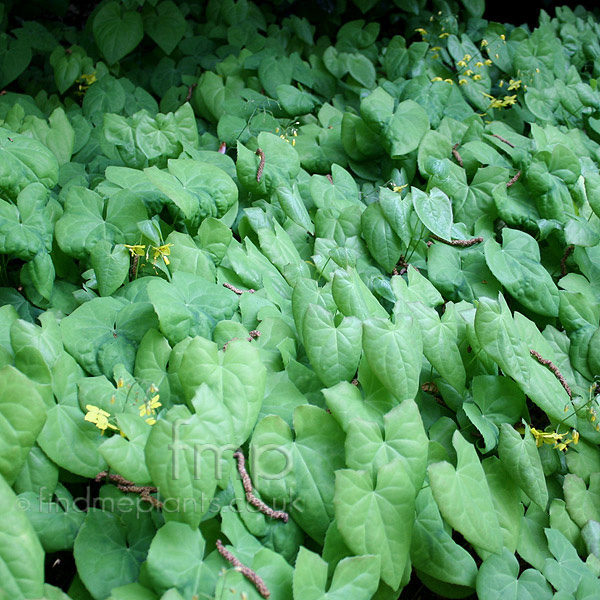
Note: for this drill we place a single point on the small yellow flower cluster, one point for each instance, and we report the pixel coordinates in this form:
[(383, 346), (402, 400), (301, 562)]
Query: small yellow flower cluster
[(163, 252), (149, 406), (284, 135), (501, 103), (399, 188), (98, 417), (556, 439), (84, 81)]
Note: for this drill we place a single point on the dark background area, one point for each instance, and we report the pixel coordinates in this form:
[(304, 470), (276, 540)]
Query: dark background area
[(317, 11)]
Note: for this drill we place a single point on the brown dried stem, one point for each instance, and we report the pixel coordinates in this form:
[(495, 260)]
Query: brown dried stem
[(237, 290), (554, 369), (456, 155), (188, 96), (130, 488), (503, 140), (247, 572), (563, 260), (514, 179), (250, 497), (261, 166), (459, 243)]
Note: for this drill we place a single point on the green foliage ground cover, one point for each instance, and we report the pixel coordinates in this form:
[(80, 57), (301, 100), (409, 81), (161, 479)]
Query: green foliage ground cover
[(370, 260)]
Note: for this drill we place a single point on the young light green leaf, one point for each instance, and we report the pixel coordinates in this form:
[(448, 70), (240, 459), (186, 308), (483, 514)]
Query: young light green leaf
[(334, 351), (464, 498), (387, 506)]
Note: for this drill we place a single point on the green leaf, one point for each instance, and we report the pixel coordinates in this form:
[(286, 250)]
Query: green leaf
[(111, 265), (293, 206), (117, 33), (189, 305), (521, 459), (21, 555), (281, 166), (88, 219), (433, 551), (26, 229), (400, 128), (394, 352), (500, 338), (383, 243), (15, 56), (165, 25), (23, 161), (434, 210), (405, 439), (109, 552), (499, 578), (362, 69), (105, 332), (387, 506), (294, 101), (175, 561), (517, 266), (334, 351), (299, 472), (183, 455), (463, 497), (355, 577), (236, 376), (22, 416), (71, 442)]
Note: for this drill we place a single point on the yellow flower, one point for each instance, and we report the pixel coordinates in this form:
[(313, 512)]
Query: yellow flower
[(293, 142), (149, 407), (435, 48), (467, 57), (502, 36), (537, 70), (501, 84), (98, 417), (497, 55), (421, 31), (479, 64), (461, 63), (468, 72), (436, 79), (443, 35), (476, 77), (137, 249), (462, 81), (151, 421), (120, 382), (509, 100), (449, 81), (399, 188), (484, 43), (575, 436), (496, 104), (161, 251), (514, 84)]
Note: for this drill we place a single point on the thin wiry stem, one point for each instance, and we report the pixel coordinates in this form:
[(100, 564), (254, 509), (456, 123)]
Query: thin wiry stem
[(247, 572)]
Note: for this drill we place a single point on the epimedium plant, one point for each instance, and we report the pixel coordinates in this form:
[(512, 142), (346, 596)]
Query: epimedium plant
[(365, 261)]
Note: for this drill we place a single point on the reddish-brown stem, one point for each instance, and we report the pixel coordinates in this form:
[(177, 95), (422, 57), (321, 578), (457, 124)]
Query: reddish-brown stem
[(130, 488), (459, 243), (329, 178), (456, 155), (261, 165), (188, 96), (250, 497), (514, 179), (563, 260), (237, 290), (503, 140), (247, 572), (554, 369)]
